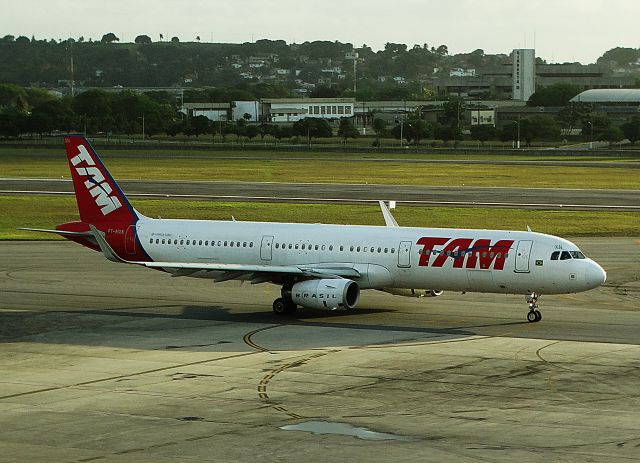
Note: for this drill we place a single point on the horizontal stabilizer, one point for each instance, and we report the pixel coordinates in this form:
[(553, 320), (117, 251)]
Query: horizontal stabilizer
[(59, 232)]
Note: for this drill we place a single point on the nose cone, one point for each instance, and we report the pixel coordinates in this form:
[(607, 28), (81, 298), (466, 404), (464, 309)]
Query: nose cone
[(595, 275)]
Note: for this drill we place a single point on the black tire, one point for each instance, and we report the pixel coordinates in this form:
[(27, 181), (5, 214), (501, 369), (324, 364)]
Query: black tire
[(282, 307), (532, 317), (538, 315)]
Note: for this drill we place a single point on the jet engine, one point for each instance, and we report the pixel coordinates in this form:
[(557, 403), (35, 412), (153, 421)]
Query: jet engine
[(413, 292), (326, 294)]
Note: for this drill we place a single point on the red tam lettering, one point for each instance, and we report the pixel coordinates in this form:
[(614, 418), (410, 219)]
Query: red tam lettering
[(427, 246), (488, 254), (454, 249)]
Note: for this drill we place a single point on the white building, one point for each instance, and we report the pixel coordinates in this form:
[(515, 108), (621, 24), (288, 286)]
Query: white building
[(295, 109), (524, 73), (240, 108), (213, 111)]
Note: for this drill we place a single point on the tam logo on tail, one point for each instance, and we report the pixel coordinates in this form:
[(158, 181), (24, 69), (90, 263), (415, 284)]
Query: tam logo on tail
[(99, 189)]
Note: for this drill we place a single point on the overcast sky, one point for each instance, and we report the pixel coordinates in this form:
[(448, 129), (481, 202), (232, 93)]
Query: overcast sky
[(560, 30)]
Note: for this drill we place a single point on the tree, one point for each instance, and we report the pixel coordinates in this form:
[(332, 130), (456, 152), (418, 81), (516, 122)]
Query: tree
[(312, 128), (143, 39), (631, 130), (444, 132), (379, 126), (452, 114), (199, 125), (54, 115), (554, 95), (252, 131), (596, 127), (109, 38), (175, 40), (613, 134), (483, 132), (347, 129), (540, 126), (574, 113)]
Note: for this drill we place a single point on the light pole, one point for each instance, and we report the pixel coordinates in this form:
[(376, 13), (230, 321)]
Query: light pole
[(518, 142), (591, 134)]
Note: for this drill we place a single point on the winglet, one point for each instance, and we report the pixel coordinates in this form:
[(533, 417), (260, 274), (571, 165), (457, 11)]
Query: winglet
[(107, 250), (386, 213)]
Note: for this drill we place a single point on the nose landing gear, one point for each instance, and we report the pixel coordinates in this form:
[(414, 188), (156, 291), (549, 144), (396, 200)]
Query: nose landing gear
[(534, 314)]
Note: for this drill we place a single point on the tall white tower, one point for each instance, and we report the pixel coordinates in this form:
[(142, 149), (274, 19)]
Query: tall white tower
[(524, 73)]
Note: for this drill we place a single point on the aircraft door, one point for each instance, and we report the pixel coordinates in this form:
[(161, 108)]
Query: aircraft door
[(266, 248), (130, 240), (404, 254), (522, 256)]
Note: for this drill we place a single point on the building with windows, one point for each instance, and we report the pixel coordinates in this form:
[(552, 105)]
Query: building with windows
[(523, 73), (295, 109)]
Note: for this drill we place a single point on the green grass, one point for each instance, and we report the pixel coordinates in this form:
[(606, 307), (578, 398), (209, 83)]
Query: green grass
[(48, 211), (337, 171)]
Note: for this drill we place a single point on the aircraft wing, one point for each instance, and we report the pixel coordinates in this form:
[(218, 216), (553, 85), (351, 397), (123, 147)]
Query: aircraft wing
[(232, 270)]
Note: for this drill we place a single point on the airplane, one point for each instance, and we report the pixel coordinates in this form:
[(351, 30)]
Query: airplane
[(317, 265)]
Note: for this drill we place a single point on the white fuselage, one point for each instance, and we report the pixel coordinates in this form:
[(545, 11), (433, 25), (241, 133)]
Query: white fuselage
[(386, 257)]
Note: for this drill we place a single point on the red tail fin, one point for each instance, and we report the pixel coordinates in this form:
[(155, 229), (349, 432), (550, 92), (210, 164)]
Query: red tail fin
[(99, 197)]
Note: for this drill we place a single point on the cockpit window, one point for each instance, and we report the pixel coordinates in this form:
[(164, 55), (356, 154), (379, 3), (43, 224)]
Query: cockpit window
[(577, 255), (565, 255), (555, 255)]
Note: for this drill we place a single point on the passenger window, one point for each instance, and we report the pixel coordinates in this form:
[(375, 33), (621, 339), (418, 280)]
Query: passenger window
[(358, 249), (151, 241), (555, 255), (322, 247), (341, 248), (290, 246), (181, 242), (206, 243), (386, 250), (200, 243), (188, 242), (162, 241), (565, 255), (225, 243), (238, 244), (351, 249), (277, 245), (231, 244), (296, 246), (251, 244), (379, 250), (244, 244), (393, 250), (304, 247), (331, 248)]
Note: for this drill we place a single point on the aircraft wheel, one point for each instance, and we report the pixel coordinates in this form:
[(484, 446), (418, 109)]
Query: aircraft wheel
[(531, 316), (281, 307), (538, 315)]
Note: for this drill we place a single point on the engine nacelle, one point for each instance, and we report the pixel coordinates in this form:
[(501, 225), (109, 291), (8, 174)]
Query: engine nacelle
[(413, 292), (326, 294)]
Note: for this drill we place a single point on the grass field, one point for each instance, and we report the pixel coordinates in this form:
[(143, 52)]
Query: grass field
[(336, 171), (48, 211)]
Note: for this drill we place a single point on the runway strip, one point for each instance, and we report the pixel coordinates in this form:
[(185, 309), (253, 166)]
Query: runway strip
[(527, 198)]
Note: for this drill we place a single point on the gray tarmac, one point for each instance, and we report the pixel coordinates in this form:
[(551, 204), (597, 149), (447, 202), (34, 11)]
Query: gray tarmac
[(107, 362), (527, 198)]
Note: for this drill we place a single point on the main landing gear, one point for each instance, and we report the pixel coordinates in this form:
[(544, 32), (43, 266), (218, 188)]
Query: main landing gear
[(534, 314), (284, 305)]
